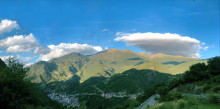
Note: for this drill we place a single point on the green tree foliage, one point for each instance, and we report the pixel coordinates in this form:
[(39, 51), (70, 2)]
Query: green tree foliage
[(147, 93), (17, 92), (129, 104), (162, 90), (133, 81), (201, 71), (205, 74), (171, 96), (83, 106), (214, 65), (2, 64), (99, 102), (196, 72), (213, 98)]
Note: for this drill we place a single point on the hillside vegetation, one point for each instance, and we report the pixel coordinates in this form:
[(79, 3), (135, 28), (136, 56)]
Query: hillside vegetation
[(197, 88), (16, 92), (133, 81), (130, 82), (106, 64)]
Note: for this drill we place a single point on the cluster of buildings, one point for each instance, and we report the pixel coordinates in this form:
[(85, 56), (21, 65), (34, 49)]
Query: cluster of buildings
[(68, 100)]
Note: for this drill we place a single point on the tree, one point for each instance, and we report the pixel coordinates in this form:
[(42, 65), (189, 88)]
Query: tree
[(2, 64), (162, 90), (18, 92), (214, 65), (83, 106), (196, 72)]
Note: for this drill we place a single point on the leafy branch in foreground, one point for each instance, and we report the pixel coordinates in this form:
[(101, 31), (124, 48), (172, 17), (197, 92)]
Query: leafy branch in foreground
[(18, 92)]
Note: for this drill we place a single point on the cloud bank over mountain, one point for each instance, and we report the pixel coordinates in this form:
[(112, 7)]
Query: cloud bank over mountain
[(29, 44), (62, 49), (167, 43)]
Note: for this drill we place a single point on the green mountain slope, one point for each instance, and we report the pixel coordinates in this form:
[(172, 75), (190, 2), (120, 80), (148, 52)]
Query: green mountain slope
[(61, 68), (105, 63), (110, 62), (133, 81)]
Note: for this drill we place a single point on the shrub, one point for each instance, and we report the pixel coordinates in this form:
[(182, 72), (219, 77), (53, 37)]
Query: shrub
[(214, 65), (196, 72), (213, 98), (192, 101), (171, 96), (181, 104), (162, 90)]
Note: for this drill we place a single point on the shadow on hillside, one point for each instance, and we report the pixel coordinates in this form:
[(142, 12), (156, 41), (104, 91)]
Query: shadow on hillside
[(64, 86), (48, 66), (138, 79), (173, 62)]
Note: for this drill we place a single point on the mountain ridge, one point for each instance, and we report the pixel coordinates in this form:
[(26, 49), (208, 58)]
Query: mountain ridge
[(105, 63)]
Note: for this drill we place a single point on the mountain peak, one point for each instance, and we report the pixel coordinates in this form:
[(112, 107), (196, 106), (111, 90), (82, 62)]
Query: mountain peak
[(127, 50), (112, 50), (115, 49)]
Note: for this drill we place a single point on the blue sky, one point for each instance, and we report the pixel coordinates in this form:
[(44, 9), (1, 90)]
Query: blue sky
[(96, 22)]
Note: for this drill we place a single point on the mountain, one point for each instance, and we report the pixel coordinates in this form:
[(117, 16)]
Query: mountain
[(133, 81), (153, 65), (106, 63)]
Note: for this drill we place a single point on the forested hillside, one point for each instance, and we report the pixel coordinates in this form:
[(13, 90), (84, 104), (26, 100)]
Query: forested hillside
[(197, 88), (16, 92)]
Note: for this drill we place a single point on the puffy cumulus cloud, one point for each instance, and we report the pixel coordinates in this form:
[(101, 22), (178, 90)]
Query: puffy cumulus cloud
[(66, 48), (7, 26), (20, 48), (19, 43), (167, 43)]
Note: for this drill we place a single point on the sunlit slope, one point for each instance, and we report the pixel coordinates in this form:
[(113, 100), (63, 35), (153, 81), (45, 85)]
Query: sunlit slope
[(111, 61), (61, 68), (153, 65), (166, 58), (106, 63)]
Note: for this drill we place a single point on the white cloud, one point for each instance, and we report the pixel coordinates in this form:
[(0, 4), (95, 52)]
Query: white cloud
[(167, 43), (19, 43), (119, 33), (28, 64), (5, 58), (7, 26), (26, 59), (106, 48), (23, 60), (205, 48), (66, 48), (104, 30)]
